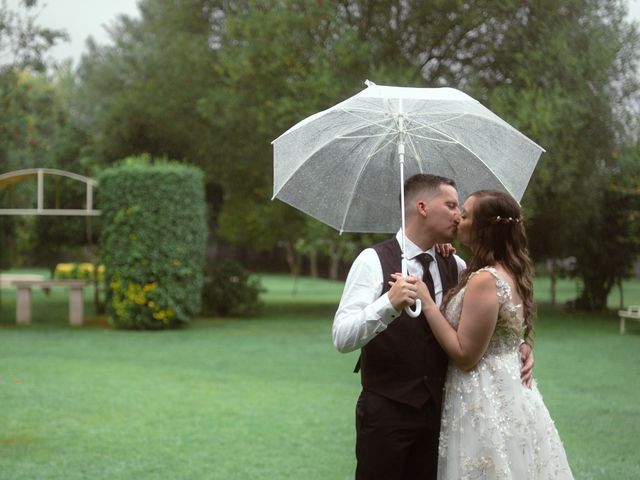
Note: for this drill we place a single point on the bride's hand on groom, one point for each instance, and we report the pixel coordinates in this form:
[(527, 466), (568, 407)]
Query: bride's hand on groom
[(445, 249)]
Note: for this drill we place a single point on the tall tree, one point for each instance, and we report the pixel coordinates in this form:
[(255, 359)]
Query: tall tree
[(140, 95), (564, 77), (28, 115), (611, 247), (23, 45), (23, 41)]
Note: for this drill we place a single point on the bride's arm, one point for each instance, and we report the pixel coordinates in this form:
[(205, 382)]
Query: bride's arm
[(466, 345)]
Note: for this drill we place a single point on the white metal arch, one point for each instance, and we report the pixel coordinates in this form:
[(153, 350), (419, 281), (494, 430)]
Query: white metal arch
[(17, 176)]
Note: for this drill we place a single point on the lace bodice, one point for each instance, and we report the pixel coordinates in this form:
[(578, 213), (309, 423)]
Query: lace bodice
[(510, 325)]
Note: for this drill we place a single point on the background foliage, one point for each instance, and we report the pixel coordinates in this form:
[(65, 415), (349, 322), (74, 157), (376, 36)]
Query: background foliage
[(212, 82), (230, 291)]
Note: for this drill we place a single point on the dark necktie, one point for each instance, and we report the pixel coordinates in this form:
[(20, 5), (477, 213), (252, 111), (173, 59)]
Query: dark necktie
[(425, 259)]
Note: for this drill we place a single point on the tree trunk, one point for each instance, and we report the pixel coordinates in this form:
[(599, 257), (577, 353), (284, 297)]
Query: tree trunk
[(334, 265), (551, 265), (334, 261), (313, 264), (594, 294), (621, 294), (293, 259)]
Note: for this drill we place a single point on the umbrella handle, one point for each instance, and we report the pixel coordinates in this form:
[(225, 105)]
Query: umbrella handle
[(418, 304), (417, 311)]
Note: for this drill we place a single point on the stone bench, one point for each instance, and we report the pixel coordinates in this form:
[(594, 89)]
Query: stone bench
[(7, 279), (24, 300), (632, 313)]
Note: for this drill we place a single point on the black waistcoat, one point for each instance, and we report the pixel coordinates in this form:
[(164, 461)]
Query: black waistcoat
[(405, 362)]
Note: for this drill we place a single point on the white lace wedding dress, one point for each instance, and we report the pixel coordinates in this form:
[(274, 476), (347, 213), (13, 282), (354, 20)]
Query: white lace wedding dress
[(492, 426)]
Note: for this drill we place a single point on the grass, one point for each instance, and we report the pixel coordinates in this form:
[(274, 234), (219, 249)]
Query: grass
[(261, 398)]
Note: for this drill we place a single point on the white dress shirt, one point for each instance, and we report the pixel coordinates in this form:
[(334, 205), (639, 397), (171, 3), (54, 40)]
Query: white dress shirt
[(363, 312)]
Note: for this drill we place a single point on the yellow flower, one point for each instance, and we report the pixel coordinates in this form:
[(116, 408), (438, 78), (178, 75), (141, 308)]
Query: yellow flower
[(64, 267)]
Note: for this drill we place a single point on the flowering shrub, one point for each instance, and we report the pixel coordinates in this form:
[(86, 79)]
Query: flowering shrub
[(153, 243)]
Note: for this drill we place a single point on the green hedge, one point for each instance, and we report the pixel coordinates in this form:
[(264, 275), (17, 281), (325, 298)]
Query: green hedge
[(153, 242)]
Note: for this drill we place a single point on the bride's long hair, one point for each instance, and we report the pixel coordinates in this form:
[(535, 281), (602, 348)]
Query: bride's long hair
[(498, 236)]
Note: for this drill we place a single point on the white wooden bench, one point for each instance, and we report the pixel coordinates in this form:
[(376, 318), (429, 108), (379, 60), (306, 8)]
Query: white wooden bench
[(632, 313), (23, 298)]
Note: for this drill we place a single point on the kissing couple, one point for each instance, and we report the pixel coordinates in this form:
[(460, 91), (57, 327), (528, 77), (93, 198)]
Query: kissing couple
[(449, 394)]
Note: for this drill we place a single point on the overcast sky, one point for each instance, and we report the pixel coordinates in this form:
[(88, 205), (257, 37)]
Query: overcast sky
[(84, 18), (81, 19)]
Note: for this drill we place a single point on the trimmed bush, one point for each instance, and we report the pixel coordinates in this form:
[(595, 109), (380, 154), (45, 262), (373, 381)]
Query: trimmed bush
[(230, 291), (153, 242)]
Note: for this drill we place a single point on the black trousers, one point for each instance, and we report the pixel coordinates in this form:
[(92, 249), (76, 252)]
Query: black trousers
[(395, 441)]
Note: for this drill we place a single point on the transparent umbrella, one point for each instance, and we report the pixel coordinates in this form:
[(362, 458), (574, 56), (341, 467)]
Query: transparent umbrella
[(346, 165)]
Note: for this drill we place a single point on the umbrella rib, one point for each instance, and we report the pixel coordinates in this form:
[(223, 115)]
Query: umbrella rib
[(421, 126), (475, 155), (320, 147), (369, 121), (356, 109), (411, 115), (454, 141), (432, 139), (379, 149), (379, 111), (490, 118), (413, 119), (372, 152), (416, 156), (364, 136)]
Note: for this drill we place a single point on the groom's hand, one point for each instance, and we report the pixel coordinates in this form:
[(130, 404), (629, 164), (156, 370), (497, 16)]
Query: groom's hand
[(526, 358), (403, 291)]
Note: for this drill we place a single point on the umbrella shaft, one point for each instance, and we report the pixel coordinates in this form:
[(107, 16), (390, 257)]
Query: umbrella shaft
[(401, 161)]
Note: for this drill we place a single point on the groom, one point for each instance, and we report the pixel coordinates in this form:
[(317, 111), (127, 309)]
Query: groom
[(401, 365)]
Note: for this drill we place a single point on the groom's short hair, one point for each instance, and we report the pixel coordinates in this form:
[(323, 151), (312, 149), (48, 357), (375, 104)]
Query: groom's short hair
[(424, 182)]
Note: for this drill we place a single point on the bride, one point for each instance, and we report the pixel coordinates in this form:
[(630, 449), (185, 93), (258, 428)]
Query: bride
[(492, 426)]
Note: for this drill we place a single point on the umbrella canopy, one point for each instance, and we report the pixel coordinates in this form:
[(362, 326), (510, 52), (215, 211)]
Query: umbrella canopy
[(345, 166)]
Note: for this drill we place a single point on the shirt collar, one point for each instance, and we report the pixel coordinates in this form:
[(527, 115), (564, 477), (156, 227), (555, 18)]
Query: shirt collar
[(412, 250)]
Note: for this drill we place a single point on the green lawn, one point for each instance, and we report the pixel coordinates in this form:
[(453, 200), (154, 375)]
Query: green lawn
[(262, 398)]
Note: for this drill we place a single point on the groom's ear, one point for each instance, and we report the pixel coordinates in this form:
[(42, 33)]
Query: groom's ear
[(422, 208)]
